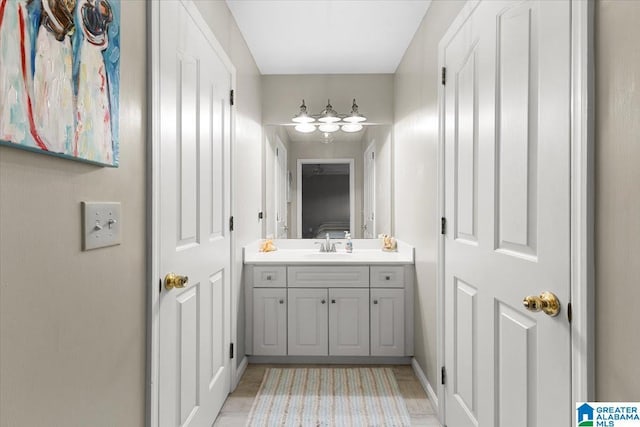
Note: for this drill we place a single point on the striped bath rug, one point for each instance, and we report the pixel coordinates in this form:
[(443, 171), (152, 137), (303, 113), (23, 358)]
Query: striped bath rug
[(329, 397)]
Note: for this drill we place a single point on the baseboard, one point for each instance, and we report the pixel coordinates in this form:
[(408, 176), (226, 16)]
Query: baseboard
[(240, 371), (424, 382), (332, 360)]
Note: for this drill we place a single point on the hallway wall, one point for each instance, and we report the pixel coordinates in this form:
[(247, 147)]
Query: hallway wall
[(72, 323), (617, 200), (415, 156)]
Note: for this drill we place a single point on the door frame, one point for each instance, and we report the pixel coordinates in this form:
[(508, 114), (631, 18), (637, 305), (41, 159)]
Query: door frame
[(280, 148), (371, 148), (352, 193), (153, 204), (582, 203)]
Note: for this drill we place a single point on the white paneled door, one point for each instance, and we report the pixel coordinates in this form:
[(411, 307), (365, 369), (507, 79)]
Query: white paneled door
[(194, 198), (507, 199)]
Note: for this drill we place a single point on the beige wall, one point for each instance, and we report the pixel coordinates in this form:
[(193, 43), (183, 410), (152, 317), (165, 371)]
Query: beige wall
[(283, 94), (415, 169), (617, 200), (72, 323)]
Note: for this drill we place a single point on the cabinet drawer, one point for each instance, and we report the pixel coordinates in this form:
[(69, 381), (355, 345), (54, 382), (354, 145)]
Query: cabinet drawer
[(387, 277), (269, 276), (328, 277)]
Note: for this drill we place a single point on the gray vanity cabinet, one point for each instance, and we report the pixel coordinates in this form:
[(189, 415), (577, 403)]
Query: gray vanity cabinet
[(328, 322), (349, 322), (387, 322), (329, 311), (270, 321), (308, 322)]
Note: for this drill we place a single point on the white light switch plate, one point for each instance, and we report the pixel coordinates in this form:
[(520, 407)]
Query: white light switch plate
[(100, 224)]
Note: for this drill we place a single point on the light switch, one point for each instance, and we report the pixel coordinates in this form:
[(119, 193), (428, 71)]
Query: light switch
[(100, 224)]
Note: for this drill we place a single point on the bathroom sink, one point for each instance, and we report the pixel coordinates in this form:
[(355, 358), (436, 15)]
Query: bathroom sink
[(327, 255)]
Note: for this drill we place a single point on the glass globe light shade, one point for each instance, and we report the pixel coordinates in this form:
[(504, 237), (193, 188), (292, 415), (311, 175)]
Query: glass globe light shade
[(305, 128), (329, 127), (352, 127), (354, 116), (303, 116), (329, 115)]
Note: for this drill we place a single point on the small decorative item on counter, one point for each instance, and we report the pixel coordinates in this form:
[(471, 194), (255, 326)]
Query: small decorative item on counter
[(267, 246), (348, 247), (389, 243)]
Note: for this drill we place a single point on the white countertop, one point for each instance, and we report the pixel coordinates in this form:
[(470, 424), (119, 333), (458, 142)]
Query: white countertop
[(305, 252)]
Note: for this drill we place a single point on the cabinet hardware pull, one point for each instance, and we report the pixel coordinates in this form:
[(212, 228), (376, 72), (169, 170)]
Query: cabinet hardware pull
[(323, 301), (333, 301), (268, 277), (387, 277), (375, 301), (281, 301)]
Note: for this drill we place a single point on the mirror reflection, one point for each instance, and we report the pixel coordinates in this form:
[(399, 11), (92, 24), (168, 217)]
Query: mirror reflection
[(319, 183)]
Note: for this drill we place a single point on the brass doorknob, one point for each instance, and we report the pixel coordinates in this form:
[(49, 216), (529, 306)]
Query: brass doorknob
[(173, 280), (546, 302)]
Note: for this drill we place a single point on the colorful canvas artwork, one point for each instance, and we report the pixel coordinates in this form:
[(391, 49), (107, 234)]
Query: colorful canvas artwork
[(60, 77)]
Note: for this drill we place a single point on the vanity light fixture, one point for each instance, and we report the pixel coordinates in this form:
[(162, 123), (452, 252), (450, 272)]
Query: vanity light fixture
[(330, 120)]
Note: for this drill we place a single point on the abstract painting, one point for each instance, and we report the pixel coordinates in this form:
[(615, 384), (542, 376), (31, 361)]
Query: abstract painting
[(60, 77)]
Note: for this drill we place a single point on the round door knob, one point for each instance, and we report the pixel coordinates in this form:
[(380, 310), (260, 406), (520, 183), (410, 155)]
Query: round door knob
[(173, 280), (546, 302)]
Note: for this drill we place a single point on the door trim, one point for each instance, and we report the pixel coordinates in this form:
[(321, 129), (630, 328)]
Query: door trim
[(582, 203), (352, 193), (371, 148), (280, 148), (153, 203)]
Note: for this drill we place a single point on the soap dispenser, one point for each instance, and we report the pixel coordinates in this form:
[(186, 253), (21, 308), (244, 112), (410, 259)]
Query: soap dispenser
[(349, 245)]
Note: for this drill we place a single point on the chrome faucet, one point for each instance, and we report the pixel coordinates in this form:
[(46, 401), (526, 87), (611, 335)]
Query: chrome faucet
[(327, 246)]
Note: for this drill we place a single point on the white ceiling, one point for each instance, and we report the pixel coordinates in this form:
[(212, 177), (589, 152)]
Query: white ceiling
[(328, 36)]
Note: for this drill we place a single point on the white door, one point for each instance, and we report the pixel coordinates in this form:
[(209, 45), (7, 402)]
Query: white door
[(269, 321), (194, 200), (349, 322), (307, 332), (369, 223), (387, 322), (507, 177), (281, 191)]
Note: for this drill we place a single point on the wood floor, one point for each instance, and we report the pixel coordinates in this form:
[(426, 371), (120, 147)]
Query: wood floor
[(235, 411)]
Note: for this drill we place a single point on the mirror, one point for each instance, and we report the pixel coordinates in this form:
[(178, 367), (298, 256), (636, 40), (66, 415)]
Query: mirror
[(317, 183)]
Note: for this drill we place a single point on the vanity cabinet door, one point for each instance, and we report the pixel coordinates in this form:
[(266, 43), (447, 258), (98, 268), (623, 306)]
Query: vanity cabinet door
[(387, 322), (308, 322), (349, 322), (270, 322)]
